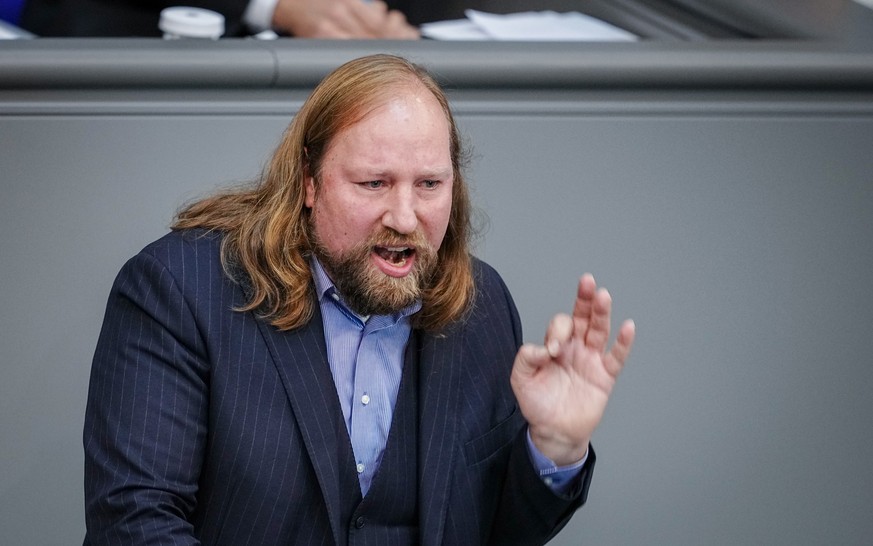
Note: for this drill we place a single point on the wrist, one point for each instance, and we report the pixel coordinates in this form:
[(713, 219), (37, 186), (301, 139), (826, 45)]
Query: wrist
[(562, 451)]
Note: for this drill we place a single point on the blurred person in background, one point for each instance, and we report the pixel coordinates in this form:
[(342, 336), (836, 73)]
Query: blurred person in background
[(301, 18)]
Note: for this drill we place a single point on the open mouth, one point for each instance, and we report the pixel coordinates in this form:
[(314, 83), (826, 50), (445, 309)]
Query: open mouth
[(395, 255)]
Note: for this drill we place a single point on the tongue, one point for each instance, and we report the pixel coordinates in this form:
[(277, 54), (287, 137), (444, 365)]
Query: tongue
[(391, 256)]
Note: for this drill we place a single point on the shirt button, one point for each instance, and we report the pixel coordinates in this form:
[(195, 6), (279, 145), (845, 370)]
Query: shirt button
[(359, 522), (548, 481), (365, 399), (360, 467)]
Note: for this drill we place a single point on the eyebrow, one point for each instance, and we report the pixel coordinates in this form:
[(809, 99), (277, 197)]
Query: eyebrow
[(441, 174)]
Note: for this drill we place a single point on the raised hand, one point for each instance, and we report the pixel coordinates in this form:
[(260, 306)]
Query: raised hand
[(563, 386)]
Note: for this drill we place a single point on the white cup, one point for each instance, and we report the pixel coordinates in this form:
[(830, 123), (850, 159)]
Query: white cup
[(183, 22)]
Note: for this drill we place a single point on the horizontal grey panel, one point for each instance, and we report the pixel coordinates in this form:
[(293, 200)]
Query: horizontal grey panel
[(519, 103), (299, 64)]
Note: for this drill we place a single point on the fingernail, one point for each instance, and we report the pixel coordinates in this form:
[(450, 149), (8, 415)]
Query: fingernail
[(554, 348)]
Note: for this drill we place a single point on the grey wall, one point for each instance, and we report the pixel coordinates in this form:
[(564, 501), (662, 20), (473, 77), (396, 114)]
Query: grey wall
[(733, 224)]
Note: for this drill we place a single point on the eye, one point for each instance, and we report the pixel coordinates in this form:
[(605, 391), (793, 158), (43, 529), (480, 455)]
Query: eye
[(430, 184), (373, 184)]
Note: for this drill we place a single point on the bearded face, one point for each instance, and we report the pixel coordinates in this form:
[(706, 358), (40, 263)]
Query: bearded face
[(365, 288), (381, 200)]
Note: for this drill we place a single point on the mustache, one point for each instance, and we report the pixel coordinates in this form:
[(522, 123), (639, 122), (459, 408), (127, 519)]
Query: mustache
[(387, 237)]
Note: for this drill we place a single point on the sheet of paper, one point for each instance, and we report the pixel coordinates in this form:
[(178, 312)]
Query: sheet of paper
[(457, 29), (9, 31), (527, 26)]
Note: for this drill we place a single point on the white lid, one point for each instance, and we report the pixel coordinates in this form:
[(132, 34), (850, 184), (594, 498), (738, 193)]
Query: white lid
[(191, 22)]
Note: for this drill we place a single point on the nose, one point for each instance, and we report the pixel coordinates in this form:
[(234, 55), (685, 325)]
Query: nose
[(400, 214)]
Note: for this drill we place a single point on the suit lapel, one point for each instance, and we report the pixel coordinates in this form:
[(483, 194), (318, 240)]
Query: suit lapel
[(439, 385), (300, 357)]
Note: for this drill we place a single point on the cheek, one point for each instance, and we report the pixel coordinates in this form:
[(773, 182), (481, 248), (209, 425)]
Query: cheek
[(331, 232), (339, 225), (326, 228), (438, 223)]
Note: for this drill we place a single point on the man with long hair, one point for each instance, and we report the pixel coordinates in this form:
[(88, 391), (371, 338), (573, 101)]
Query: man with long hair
[(318, 359)]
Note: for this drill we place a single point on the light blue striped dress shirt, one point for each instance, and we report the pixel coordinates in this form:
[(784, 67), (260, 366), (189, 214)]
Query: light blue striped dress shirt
[(366, 360)]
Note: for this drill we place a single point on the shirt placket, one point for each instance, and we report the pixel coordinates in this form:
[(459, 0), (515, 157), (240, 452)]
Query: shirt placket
[(371, 402)]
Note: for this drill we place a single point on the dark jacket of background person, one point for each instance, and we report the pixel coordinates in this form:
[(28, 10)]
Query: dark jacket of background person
[(119, 18)]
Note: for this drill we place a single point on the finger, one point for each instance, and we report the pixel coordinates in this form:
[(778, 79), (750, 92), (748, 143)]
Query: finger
[(332, 32), (617, 356), (530, 358), (341, 19), (560, 330), (397, 27), (334, 27), (584, 302), (597, 335), (372, 16)]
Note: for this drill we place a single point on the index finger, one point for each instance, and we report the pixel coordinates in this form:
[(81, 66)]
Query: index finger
[(597, 335), (584, 304), (372, 15), (397, 27)]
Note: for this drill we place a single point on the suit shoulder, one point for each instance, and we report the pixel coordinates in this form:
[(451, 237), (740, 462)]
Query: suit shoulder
[(197, 240), (180, 246), (487, 279), (492, 295), (183, 254)]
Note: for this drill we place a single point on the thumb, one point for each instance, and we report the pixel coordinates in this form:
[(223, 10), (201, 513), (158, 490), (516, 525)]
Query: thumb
[(530, 358)]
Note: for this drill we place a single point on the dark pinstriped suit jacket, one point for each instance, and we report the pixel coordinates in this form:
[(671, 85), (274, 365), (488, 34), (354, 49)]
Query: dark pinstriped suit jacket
[(208, 425)]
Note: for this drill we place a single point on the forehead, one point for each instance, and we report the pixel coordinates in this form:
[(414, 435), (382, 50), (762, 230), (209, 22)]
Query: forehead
[(410, 93), (377, 93), (407, 113)]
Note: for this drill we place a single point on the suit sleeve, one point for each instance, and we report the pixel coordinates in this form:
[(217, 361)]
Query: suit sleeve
[(145, 421), (119, 18), (529, 512)]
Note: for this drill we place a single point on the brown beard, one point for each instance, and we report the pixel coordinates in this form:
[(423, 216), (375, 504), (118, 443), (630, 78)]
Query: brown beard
[(367, 290)]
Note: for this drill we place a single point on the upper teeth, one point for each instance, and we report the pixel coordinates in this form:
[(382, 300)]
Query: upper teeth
[(396, 248)]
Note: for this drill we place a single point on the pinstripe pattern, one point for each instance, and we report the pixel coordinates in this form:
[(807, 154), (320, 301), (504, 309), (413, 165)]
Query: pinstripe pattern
[(208, 426)]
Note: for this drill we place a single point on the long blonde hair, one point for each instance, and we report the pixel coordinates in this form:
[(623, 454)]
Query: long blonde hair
[(266, 226)]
